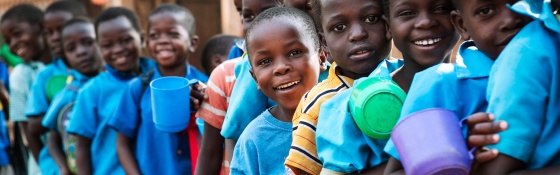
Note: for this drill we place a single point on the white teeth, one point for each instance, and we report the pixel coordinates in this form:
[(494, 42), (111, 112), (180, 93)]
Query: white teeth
[(427, 42), (120, 60), (284, 86), (20, 51), (361, 52)]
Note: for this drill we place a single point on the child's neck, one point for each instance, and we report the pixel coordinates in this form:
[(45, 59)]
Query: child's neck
[(404, 75), (176, 70), (356, 76), (282, 114)]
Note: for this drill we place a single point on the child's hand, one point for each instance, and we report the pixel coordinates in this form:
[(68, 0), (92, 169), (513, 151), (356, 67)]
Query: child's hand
[(483, 131), (197, 95)]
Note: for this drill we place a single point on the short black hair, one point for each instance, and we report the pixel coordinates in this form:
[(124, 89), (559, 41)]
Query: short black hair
[(305, 23), (73, 7), (385, 4), (115, 12), (76, 20), (218, 44), (24, 13), (189, 23)]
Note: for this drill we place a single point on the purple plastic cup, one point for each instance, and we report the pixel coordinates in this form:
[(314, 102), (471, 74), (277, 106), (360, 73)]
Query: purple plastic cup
[(429, 142)]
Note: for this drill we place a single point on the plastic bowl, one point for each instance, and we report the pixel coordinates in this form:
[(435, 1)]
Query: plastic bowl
[(54, 85)]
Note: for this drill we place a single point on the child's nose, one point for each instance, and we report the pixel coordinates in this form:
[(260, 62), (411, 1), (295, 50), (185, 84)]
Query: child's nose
[(511, 20), (282, 67), (358, 33), (425, 21)]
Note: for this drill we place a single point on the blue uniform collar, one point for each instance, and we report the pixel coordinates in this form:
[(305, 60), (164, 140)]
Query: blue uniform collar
[(539, 10), (477, 64), (77, 76), (60, 65), (145, 65), (386, 67)]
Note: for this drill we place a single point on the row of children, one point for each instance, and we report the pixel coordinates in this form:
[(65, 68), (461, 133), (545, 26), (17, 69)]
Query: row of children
[(504, 83), (83, 83)]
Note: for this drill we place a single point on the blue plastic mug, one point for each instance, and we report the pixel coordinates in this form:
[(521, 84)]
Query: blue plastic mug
[(200, 124), (171, 103)]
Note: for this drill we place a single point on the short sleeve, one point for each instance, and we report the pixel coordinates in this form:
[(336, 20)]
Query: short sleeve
[(245, 158), (518, 92), (213, 110), (126, 118), (85, 119), (340, 144), (38, 104), (246, 102), (50, 120), (19, 90)]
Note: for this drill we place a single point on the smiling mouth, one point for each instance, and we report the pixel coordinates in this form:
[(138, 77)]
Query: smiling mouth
[(20, 51), (427, 42), (120, 60), (287, 86)]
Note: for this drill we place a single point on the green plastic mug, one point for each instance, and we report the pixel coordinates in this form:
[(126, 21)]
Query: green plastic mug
[(375, 105), (54, 85)]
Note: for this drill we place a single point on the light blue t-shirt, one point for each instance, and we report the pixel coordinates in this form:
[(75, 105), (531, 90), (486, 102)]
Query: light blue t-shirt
[(156, 152), (95, 104), (341, 145), (524, 89), (458, 87), (246, 101), (38, 103), (263, 146)]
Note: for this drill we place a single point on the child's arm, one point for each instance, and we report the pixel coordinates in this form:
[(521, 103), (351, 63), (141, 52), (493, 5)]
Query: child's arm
[(511, 166), (394, 167), (230, 146), (125, 155), (54, 146), (377, 170), (211, 152), (34, 131), (83, 155)]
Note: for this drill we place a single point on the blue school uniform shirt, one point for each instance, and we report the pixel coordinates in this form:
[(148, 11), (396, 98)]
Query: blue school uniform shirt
[(38, 103), (156, 152), (524, 89), (246, 101), (262, 147), (459, 87), (4, 140), (235, 52), (94, 107), (341, 145)]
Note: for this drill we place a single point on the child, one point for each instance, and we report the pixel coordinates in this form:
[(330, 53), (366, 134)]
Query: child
[(215, 51), (285, 66), (83, 55), (246, 102), (21, 28), (464, 82), (120, 36), (55, 16), (523, 90), (357, 45), (142, 148), (425, 38)]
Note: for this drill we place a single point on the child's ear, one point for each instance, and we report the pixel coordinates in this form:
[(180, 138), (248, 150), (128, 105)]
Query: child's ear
[(459, 24), (322, 60), (254, 78), (194, 43), (388, 34)]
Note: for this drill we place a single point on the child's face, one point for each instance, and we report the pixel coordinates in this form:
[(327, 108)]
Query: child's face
[(53, 22), (216, 60), (491, 24), (252, 8), (80, 48), (355, 35), (285, 65), (422, 29), (169, 41), (23, 39), (120, 44)]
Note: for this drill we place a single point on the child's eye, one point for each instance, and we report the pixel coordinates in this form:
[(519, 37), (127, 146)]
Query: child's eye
[(406, 13), (294, 53), (248, 17), (153, 36), (339, 27), (106, 46), (174, 34), (265, 61), (442, 10), (371, 19), (69, 48), (485, 11)]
